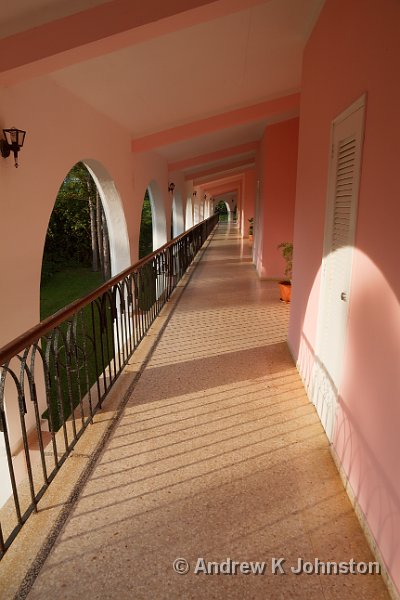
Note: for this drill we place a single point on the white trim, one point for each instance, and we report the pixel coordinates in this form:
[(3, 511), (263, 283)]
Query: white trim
[(360, 103)]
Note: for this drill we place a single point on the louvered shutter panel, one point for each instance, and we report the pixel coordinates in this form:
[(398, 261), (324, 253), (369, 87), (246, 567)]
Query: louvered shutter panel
[(338, 251)]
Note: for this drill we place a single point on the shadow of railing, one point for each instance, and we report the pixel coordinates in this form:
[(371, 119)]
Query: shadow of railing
[(54, 377)]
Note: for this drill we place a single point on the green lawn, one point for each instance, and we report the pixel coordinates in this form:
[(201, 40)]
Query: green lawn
[(60, 290), (66, 286)]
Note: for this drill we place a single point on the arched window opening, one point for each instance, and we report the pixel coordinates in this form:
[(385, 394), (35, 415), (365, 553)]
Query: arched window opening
[(76, 257), (146, 228), (153, 230), (222, 210)]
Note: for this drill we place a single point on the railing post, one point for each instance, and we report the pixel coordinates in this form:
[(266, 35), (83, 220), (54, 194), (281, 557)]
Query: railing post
[(83, 349)]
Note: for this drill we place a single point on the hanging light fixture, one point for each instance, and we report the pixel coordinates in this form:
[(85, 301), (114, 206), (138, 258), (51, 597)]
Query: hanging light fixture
[(14, 140), (195, 193), (171, 187)]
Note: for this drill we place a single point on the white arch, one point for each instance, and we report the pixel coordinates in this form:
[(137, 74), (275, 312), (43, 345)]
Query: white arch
[(189, 213), (196, 211), (157, 215), (178, 224), (115, 217), (201, 210)]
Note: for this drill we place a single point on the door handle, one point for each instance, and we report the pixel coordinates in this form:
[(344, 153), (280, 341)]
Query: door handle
[(343, 296)]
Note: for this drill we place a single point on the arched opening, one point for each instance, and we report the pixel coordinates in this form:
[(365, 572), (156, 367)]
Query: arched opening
[(77, 251), (153, 229), (153, 235), (159, 218), (117, 229), (86, 244), (146, 228), (221, 209)]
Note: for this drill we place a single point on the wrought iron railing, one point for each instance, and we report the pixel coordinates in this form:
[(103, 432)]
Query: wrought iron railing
[(55, 376)]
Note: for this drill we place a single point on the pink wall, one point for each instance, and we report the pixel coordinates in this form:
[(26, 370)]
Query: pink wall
[(277, 166), (248, 201), (361, 53), (61, 130)]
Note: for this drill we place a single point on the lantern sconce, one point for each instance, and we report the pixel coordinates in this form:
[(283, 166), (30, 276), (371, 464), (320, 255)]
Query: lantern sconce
[(195, 193), (171, 187), (14, 140), (205, 197)]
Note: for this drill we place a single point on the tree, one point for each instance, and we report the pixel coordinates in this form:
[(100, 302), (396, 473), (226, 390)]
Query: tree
[(77, 234), (220, 208)]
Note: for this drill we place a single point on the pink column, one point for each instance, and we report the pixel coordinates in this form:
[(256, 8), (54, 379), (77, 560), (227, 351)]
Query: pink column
[(248, 201), (278, 168)]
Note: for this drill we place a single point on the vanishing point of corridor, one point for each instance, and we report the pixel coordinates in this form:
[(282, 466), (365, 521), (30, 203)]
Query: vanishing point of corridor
[(218, 455)]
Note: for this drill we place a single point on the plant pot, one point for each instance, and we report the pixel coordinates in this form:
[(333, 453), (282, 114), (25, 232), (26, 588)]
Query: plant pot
[(285, 289)]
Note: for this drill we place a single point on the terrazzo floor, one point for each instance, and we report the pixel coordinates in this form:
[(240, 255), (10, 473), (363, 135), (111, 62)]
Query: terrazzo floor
[(219, 455)]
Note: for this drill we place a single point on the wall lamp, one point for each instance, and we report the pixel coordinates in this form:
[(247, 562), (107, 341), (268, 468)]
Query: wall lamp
[(171, 187), (14, 140), (205, 197), (195, 194)]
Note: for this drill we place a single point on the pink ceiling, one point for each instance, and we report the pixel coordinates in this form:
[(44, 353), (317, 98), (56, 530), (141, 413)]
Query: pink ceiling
[(25, 14), (187, 78)]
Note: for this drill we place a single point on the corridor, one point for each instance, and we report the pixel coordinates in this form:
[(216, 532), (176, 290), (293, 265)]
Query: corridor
[(218, 455)]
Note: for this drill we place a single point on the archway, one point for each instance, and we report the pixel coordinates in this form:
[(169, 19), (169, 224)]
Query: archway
[(222, 209), (153, 232), (115, 217), (158, 215), (146, 228), (87, 240)]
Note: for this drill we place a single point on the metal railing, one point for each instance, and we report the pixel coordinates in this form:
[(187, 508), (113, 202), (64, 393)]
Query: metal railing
[(54, 377)]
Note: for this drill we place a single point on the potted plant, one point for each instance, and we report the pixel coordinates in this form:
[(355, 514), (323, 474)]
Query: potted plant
[(251, 221), (285, 287)]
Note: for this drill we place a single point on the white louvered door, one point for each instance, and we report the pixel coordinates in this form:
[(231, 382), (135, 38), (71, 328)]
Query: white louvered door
[(341, 214)]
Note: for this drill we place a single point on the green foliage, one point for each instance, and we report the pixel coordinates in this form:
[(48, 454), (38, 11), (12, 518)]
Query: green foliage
[(251, 226), (287, 252), (65, 287), (147, 286), (220, 208), (77, 234), (68, 241), (146, 229), (77, 239)]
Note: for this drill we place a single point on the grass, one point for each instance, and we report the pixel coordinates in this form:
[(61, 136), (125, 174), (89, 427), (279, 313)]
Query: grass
[(69, 385), (64, 287)]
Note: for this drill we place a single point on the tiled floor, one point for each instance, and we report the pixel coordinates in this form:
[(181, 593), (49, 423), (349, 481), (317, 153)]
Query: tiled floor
[(219, 455)]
